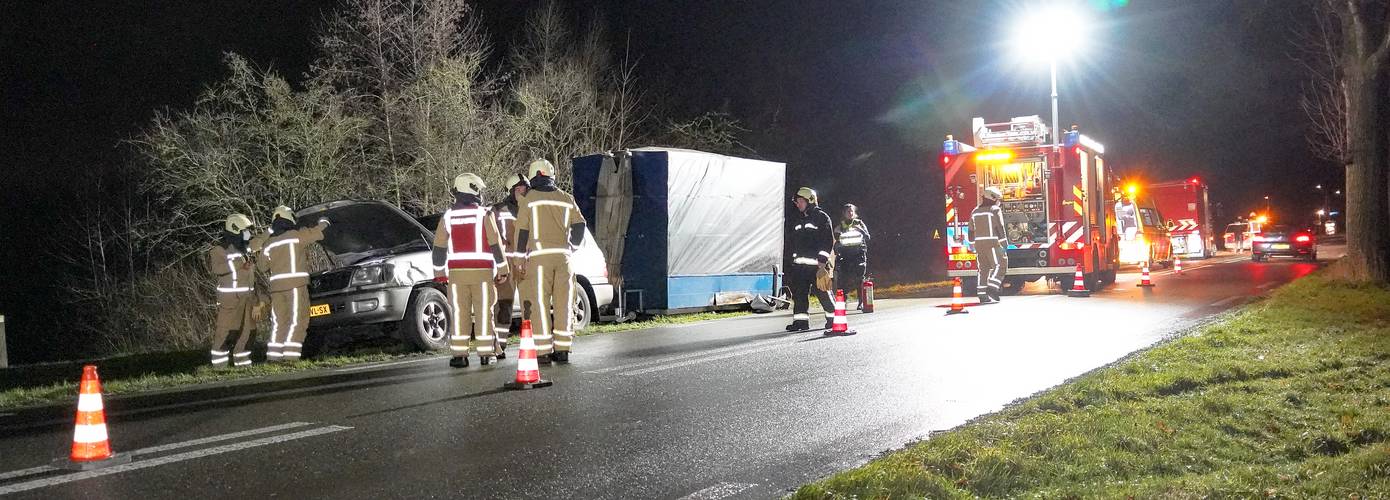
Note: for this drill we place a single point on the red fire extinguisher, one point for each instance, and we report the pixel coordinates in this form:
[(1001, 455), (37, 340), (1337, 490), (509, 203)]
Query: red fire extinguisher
[(866, 296)]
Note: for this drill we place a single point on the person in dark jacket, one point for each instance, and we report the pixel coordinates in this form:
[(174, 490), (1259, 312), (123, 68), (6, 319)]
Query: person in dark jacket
[(812, 240), (851, 253)]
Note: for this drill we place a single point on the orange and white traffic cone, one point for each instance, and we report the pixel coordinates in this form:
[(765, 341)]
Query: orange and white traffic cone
[(1144, 276), (91, 447), (957, 302), (528, 370), (1078, 287), (1177, 265), (840, 324)]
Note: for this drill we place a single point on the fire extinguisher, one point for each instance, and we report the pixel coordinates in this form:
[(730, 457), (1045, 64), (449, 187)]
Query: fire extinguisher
[(866, 296)]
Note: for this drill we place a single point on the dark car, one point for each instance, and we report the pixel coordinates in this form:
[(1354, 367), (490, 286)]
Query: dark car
[(1282, 240)]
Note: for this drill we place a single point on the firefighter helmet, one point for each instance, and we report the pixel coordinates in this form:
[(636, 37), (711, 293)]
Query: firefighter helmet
[(808, 193), (284, 212), (236, 223), (469, 183), (993, 193), (540, 166), (521, 180)]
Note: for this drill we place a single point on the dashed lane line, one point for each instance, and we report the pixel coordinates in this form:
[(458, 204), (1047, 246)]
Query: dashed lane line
[(165, 460), (165, 447), (718, 491)]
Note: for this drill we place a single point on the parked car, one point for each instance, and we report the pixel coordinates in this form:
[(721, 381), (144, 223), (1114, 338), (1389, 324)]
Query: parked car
[(1282, 240), (379, 272)]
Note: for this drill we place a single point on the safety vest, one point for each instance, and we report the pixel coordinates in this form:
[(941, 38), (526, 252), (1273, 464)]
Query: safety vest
[(467, 243), (851, 236)]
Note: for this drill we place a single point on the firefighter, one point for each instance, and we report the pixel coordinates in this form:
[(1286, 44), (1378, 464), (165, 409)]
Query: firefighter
[(283, 257), (549, 226), (504, 214), (230, 262), (812, 240), (468, 257), (987, 232), (851, 253)]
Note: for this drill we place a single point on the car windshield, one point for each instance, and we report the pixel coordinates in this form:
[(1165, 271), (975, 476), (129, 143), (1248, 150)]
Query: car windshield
[(365, 230)]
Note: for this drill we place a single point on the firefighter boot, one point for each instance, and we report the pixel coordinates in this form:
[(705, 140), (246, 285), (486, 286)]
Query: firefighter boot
[(459, 362), (799, 325), (486, 360)]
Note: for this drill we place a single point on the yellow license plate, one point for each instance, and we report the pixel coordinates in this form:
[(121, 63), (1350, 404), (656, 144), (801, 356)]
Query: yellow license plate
[(1281, 246), (320, 310), (962, 256)]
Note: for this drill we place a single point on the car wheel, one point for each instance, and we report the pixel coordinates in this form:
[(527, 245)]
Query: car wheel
[(583, 307), (426, 323)]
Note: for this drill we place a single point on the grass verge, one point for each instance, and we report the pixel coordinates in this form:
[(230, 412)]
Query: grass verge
[(915, 290), (1287, 398), (57, 382), (660, 321)]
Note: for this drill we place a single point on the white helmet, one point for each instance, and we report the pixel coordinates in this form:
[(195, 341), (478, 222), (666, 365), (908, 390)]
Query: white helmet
[(283, 212), (993, 193), (540, 166), (469, 183), (236, 223)]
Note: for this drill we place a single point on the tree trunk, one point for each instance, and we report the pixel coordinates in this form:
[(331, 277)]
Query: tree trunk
[(1368, 185)]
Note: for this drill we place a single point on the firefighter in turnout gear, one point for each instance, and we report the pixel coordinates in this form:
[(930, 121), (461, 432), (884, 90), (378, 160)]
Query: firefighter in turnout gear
[(230, 261), (549, 226), (468, 257), (987, 233), (283, 257), (812, 240), (851, 253), (504, 214)]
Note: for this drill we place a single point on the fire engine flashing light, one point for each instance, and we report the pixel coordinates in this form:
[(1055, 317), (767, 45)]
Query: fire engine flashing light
[(991, 156), (1262, 219), (1132, 188)]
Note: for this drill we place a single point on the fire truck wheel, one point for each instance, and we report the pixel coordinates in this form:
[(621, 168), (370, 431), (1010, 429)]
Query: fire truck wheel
[(1107, 277)]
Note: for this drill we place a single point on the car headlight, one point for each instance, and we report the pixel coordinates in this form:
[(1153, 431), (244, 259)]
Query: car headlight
[(370, 275)]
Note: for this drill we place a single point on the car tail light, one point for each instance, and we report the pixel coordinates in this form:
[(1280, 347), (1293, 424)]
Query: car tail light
[(1303, 238)]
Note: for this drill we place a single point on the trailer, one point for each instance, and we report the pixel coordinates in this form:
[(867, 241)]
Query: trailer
[(684, 231), (1057, 205), (1187, 213)]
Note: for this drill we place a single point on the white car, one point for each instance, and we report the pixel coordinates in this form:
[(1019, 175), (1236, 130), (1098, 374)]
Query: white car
[(381, 273)]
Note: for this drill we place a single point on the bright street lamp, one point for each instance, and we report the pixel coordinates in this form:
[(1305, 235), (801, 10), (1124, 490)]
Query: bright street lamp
[(1046, 34)]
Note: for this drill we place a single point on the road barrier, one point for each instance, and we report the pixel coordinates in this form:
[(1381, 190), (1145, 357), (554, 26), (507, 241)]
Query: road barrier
[(91, 447), (957, 302), (1078, 287), (840, 325), (528, 370)]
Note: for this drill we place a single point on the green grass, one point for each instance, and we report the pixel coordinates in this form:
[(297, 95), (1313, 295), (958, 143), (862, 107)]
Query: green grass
[(915, 290), (660, 321), (57, 382), (1287, 398)]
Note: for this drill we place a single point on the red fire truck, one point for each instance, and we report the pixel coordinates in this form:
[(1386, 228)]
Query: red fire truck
[(1058, 203), (1185, 211)]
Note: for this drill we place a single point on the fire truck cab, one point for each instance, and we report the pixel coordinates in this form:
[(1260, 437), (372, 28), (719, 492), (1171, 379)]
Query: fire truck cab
[(1057, 205)]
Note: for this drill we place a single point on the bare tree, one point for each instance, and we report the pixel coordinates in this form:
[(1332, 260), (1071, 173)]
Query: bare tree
[(1349, 112)]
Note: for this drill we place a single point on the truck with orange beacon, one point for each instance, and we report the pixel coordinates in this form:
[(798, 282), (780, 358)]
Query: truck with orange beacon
[(1058, 203), (1187, 214)]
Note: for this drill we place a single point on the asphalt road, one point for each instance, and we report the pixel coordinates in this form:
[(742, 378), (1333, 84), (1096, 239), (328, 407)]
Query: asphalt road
[(733, 408)]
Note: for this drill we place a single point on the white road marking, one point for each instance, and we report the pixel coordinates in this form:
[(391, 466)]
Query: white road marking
[(383, 365), (165, 460), (1227, 300), (165, 447), (699, 360), (678, 357), (721, 490)]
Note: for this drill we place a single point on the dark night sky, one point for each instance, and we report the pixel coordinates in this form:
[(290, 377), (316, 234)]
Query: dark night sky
[(862, 92)]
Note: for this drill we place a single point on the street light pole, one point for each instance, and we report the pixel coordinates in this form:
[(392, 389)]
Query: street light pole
[(1056, 127)]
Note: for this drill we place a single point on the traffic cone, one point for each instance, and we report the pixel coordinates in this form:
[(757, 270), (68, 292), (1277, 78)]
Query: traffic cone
[(957, 302), (1144, 276), (1078, 287), (1177, 265), (840, 324), (91, 447), (528, 370)]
